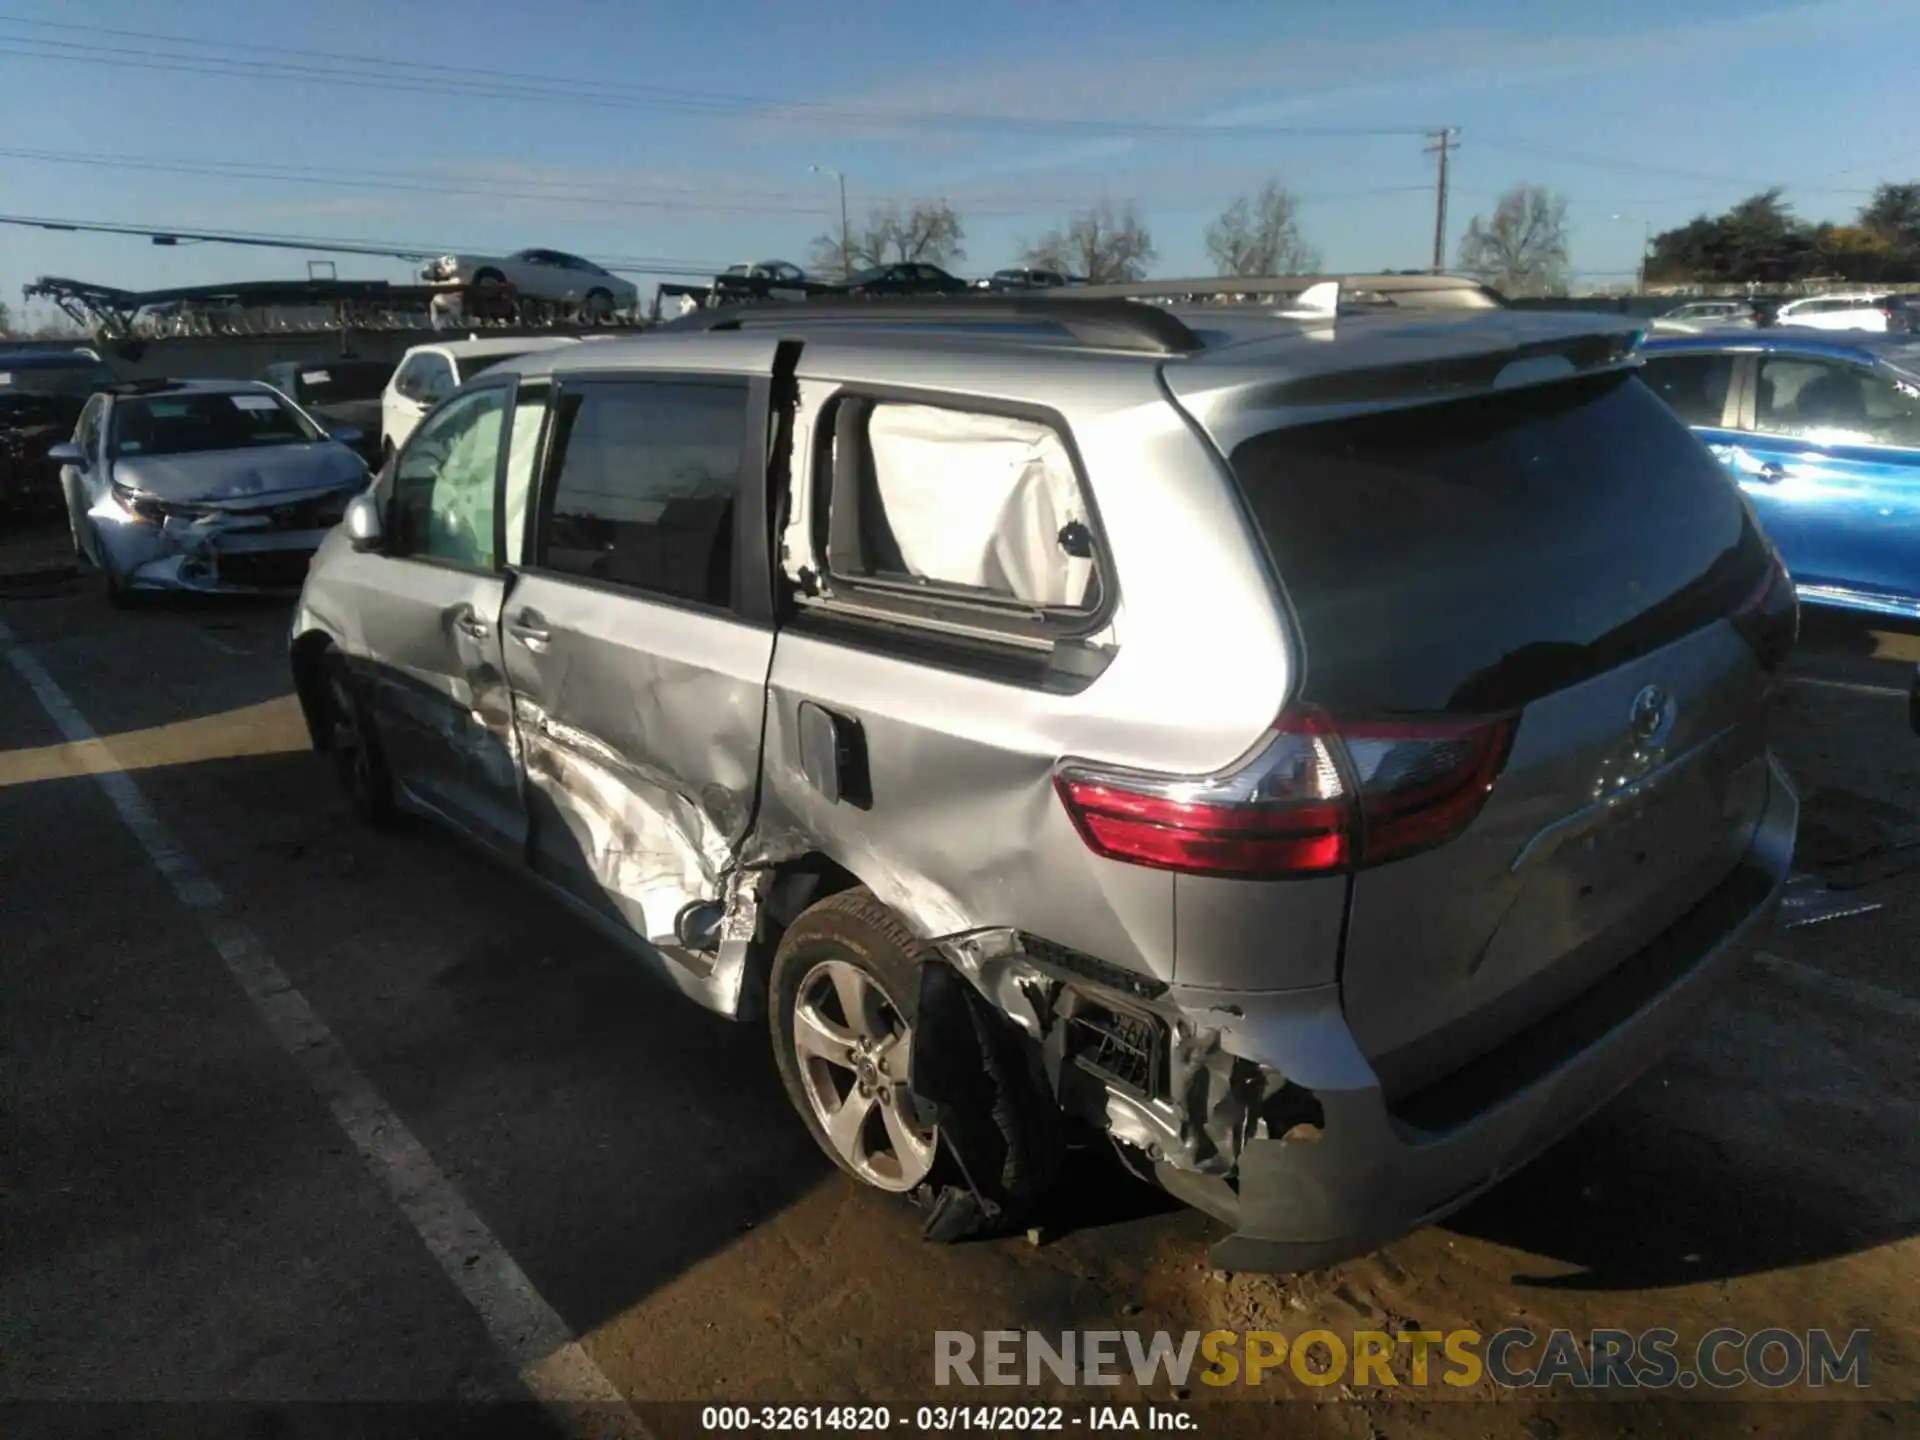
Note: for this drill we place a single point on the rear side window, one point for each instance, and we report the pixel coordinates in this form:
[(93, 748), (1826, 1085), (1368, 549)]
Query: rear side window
[(958, 504), (641, 486), (1476, 555), (1831, 402), (1694, 386), (338, 382)]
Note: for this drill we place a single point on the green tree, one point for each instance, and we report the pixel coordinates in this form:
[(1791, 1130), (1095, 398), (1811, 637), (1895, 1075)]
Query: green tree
[(1894, 213)]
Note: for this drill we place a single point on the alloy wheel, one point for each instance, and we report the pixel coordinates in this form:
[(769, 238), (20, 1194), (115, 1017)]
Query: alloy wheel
[(855, 1048)]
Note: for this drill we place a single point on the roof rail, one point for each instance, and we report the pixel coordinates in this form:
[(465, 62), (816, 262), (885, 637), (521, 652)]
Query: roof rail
[(1418, 291), (1105, 323)]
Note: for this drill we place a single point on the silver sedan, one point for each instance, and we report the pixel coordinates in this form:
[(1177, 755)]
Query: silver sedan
[(207, 485)]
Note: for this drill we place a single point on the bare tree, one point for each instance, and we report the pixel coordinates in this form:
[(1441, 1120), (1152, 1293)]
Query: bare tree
[(1261, 236), (1099, 244), (1522, 249), (6, 319), (928, 231)]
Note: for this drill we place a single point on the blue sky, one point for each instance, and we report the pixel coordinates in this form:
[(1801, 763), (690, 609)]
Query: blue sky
[(655, 132)]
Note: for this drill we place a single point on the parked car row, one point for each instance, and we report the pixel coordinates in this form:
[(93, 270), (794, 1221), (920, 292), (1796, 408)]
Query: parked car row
[(1890, 313), (1379, 837)]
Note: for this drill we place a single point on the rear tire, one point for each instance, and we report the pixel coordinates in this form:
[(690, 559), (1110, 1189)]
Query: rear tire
[(846, 985), (997, 1145)]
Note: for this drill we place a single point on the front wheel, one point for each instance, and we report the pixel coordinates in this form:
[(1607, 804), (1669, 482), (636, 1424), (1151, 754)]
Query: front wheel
[(355, 747), (597, 309)]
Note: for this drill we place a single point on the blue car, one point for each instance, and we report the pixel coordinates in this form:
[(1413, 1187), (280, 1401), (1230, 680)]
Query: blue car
[(1823, 434)]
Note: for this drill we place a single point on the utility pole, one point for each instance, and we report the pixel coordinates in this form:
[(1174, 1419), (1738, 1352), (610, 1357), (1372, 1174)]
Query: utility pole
[(846, 231), (1445, 142)]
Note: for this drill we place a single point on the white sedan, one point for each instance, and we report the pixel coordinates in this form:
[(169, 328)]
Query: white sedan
[(550, 275)]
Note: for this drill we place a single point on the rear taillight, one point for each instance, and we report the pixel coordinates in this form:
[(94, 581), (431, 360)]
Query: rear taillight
[(1325, 795), (1769, 619)]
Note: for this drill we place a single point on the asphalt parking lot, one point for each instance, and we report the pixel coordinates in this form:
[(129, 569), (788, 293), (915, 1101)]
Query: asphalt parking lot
[(294, 1111)]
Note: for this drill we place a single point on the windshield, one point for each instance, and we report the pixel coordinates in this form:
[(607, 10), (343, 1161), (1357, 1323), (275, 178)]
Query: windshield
[(78, 381), (183, 424), (867, 277), (332, 384)]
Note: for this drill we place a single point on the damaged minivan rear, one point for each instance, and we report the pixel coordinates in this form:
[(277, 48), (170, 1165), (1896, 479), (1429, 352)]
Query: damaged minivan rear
[(1323, 758)]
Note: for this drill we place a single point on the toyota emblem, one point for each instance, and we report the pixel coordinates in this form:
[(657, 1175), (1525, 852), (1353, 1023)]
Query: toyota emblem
[(1651, 717)]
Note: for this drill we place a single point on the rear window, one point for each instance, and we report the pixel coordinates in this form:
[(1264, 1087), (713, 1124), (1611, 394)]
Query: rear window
[(77, 379), (334, 383), (1475, 555)]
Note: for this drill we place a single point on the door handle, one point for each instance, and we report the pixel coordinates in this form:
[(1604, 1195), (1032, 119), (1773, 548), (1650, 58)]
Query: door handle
[(473, 626), (530, 629)]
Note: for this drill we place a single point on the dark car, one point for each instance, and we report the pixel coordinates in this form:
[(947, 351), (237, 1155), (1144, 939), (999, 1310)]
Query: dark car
[(910, 277), (1022, 277), (41, 395), (340, 394), (1903, 313)]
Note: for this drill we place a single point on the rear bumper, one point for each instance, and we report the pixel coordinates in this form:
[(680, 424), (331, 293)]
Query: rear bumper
[(1373, 1171)]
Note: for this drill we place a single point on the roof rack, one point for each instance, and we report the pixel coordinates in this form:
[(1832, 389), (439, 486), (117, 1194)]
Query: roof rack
[(1106, 323), (1418, 290)]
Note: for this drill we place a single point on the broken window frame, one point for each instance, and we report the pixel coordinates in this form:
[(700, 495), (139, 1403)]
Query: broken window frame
[(974, 628)]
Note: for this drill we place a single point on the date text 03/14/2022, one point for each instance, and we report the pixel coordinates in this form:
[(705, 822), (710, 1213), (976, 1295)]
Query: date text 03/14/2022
[(942, 1419)]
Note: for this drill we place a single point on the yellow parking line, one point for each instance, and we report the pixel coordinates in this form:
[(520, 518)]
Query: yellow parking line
[(273, 727), (1888, 645)]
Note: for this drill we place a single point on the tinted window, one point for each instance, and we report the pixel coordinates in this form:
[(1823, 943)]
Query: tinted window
[(642, 486), (1475, 555), (411, 381), (77, 379), (436, 378), (1831, 401), (183, 424), (1695, 386), (443, 484), (338, 381), (87, 432)]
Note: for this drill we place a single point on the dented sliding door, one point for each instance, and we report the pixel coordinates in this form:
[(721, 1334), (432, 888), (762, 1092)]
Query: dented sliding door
[(636, 657)]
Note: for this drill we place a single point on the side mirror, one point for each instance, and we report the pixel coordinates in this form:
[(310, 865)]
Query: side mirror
[(362, 522), (68, 453), (348, 435)]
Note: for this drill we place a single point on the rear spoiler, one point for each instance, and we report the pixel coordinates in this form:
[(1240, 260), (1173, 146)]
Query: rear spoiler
[(1423, 365)]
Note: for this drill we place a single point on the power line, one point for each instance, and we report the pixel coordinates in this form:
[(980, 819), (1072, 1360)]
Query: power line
[(463, 82), (1643, 167), (379, 249), (645, 197)]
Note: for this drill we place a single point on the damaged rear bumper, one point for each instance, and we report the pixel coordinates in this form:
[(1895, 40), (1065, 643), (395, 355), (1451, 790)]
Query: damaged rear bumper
[(1268, 1116)]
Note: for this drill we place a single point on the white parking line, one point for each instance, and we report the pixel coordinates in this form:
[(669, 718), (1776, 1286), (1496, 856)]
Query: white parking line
[(1851, 686), (523, 1326), (1811, 977)]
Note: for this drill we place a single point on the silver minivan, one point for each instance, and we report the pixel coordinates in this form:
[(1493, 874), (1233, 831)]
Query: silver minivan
[(1321, 754)]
